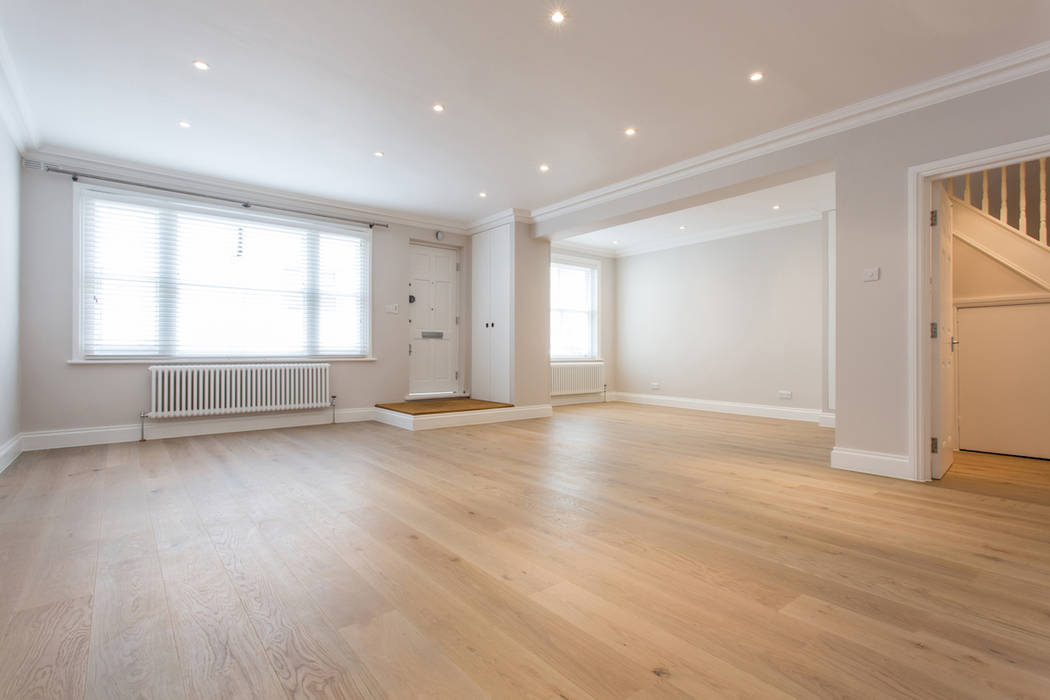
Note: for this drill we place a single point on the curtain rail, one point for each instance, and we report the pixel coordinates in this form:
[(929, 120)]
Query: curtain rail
[(247, 205)]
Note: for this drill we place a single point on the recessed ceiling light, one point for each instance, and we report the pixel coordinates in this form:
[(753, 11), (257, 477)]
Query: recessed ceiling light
[(616, 243), (379, 154), (483, 194), (630, 131), (201, 65), (776, 207), (756, 76), (184, 124), (544, 167), (681, 228), (558, 17), (439, 107)]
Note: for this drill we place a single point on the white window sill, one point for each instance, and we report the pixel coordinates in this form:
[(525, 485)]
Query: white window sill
[(217, 360), (581, 361)]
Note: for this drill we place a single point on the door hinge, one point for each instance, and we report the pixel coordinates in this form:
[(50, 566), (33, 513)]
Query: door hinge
[(934, 445), (410, 349), (457, 375), (933, 329), (933, 217), (457, 267), (457, 320)]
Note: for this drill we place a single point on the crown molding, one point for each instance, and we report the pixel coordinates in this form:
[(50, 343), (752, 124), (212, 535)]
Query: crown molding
[(693, 238), (1013, 66), (14, 108), (507, 216), (153, 175)]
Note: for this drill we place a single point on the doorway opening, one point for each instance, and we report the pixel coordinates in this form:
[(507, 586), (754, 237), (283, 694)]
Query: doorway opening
[(433, 322), (988, 258)]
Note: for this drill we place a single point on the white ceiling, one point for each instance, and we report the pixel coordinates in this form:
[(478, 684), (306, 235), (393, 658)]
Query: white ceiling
[(797, 202), (302, 93)]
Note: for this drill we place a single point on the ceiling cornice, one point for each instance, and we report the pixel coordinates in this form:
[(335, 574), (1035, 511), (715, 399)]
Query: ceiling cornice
[(89, 164), (707, 236), (507, 216), (14, 109), (1014, 66)]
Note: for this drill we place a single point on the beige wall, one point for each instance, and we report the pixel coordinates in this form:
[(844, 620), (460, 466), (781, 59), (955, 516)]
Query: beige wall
[(871, 165), (9, 289), (608, 312), (73, 396), (530, 342), (736, 319)]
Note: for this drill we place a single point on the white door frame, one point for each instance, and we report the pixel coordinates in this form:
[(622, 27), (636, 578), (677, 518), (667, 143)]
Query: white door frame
[(920, 292), (458, 297)]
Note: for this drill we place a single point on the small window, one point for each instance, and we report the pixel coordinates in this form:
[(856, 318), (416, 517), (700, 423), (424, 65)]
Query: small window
[(165, 278), (574, 309)]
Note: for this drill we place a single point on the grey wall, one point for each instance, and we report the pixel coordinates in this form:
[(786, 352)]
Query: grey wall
[(9, 289), (530, 342), (735, 319), (75, 395), (871, 165)]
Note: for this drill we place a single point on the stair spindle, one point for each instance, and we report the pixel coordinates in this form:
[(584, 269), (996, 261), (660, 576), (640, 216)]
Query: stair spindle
[(1042, 200), (984, 191), (1022, 198), (966, 190), (1002, 194)]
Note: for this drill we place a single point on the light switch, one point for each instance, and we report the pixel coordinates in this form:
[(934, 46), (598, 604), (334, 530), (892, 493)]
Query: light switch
[(872, 274), (391, 308)]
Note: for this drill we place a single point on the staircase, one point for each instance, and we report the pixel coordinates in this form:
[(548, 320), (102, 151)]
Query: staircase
[(1015, 195)]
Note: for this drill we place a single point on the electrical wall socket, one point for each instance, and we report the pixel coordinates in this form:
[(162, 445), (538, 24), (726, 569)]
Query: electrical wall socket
[(786, 395), (655, 386)]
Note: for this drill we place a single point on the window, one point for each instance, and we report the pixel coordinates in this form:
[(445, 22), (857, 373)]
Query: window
[(173, 278), (574, 309)]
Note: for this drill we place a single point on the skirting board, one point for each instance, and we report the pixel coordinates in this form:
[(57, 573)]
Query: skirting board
[(810, 415), (156, 430), (570, 399), (878, 463), (826, 419), (449, 420), (9, 451)]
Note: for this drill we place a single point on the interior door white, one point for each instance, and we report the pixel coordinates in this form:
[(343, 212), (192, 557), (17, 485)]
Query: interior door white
[(1004, 385), (502, 278), (434, 335), (944, 420)]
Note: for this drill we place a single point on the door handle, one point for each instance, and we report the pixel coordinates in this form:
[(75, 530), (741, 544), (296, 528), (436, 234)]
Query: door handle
[(955, 341)]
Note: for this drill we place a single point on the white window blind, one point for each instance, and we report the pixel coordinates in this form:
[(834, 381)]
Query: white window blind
[(574, 311), (165, 277)]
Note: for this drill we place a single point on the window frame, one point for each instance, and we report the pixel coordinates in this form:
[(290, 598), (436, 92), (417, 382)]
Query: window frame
[(149, 195), (596, 265)]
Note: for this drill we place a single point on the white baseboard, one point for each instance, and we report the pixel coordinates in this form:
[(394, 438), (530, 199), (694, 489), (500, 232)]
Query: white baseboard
[(449, 420), (156, 430), (826, 419), (570, 399), (879, 463), (9, 451), (79, 437), (811, 415)]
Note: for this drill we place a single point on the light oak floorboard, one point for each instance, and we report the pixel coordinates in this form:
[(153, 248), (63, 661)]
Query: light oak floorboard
[(612, 551)]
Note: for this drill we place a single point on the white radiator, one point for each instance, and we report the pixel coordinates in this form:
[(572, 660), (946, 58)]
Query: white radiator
[(210, 390), (577, 378)]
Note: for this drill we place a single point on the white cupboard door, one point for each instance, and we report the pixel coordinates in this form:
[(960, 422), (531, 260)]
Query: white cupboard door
[(501, 258), (480, 304), (432, 321)]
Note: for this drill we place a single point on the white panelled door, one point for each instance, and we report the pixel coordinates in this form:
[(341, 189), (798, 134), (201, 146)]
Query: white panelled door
[(490, 342), (432, 322)]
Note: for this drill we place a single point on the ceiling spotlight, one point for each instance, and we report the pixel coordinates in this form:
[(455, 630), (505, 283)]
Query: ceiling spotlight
[(379, 154), (776, 207), (544, 168), (184, 124), (630, 131), (558, 17), (201, 65), (439, 107), (616, 243), (756, 76), (681, 228), (483, 194)]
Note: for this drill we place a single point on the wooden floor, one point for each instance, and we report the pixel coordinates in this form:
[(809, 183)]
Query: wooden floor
[(423, 407), (613, 551)]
